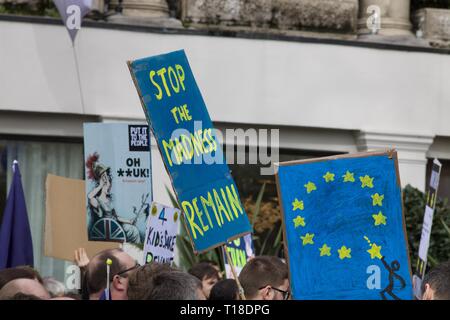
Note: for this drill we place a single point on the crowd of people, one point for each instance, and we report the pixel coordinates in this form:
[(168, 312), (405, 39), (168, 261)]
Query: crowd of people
[(262, 278)]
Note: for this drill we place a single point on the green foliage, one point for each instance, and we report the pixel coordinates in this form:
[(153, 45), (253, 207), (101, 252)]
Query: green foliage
[(40, 8), (414, 204)]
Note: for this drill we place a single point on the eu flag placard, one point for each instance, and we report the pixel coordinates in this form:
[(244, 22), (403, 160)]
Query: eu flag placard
[(344, 227)]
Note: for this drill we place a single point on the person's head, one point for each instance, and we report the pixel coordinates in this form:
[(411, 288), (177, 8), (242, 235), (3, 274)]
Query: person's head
[(265, 278), (175, 285), (22, 272), (26, 287), (215, 265), (225, 290), (436, 283), (54, 287), (207, 274), (140, 281), (121, 267)]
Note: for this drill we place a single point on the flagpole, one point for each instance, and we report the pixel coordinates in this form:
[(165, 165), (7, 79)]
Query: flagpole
[(233, 271), (108, 271), (77, 67)]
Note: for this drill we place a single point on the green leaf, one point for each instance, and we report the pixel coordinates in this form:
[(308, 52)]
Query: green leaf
[(446, 228), (172, 197), (258, 204)]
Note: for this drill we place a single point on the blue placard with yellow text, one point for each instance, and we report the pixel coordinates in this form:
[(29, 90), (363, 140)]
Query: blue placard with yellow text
[(193, 157), (344, 228)]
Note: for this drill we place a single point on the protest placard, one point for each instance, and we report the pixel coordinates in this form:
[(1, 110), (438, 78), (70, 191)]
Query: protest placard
[(192, 155), (118, 181), (65, 220), (240, 251), (426, 228), (344, 227), (162, 230)]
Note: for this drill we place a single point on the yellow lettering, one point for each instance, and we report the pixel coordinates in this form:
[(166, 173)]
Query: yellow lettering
[(180, 73), (174, 113), (234, 201), (220, 206), (188, 148), (161, 73), (210, 203), (186, 205), (167, 147), (226, 203), (199, 215), (172, 72), (159, 95)]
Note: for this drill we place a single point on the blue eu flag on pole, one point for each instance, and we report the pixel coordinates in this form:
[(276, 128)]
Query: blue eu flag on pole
[(16, 246)]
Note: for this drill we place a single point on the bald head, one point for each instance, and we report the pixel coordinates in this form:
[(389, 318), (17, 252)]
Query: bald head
[(24, 286)]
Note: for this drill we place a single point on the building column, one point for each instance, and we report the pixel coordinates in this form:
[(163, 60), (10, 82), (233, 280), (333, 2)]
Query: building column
[(394, 15), (412, 153), (144, 12)]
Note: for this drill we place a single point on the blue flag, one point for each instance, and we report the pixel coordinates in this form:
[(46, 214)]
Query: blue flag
[(106, 295), (16, 246)]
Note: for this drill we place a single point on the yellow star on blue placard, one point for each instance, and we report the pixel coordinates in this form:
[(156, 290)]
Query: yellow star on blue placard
[(296, 204), (299, 221), (325, 250), (310, 187), (379, 219), (307, 239), (377, 200), (375, 251), (366, 181), (344, 252), (349, 177), (329, 177)]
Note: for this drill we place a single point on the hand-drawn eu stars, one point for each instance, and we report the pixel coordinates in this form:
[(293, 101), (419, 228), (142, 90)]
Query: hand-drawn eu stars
[(349, 177), (296, 204), (366, 181), (307, 239), (310, 187), (325, 250), (299, 221), (377, 200), (343, 252), (379, 219)]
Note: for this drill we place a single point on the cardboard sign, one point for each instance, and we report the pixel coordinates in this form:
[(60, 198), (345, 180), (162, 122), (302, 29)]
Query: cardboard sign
[(344, 227), (426, 228), (65, 220), (118, 181), (240, 251), (162, 230), (192, 155)]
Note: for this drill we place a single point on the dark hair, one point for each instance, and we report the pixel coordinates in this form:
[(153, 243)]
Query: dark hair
[(140, 281), (22, 272), (204, 270), (262, 271), (22, 296), (224, 290), (95, 277), (439, 280), (211, 262), (174, 285)]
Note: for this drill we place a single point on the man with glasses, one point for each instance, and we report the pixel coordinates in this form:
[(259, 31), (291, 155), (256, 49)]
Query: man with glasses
[(265, 278), (95, 281)]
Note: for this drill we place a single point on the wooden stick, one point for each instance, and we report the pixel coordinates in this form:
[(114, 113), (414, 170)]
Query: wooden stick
[(230, 262)]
